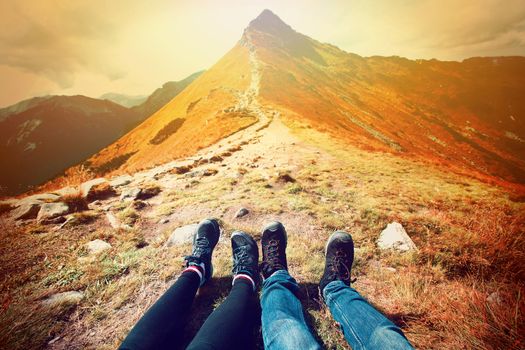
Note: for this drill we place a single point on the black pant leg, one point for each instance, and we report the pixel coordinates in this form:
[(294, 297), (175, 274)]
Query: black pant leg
[(231, 325), (162, 325)]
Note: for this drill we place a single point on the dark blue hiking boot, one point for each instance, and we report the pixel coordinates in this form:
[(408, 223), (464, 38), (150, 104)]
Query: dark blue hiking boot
[(245, 256), (205, 239), (339, 253), (273, 243)]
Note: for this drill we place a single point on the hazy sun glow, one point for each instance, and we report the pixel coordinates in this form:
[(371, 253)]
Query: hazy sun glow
[(133, 47)]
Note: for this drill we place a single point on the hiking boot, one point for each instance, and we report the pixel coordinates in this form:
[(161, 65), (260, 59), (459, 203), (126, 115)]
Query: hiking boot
[(245, 256), (205, 239), (274, 249), (339, 253)]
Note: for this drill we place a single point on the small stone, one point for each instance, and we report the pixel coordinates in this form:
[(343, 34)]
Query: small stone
[(67, 191), (97, 189), (164, 221), (395, 237), (120, 181), (54, 340), (27, 210), (494, 298), (43, 197), (241, 212), (182, 235), (70, 298), (148, 192), (130, 194), (97, 246), (50, 211), (138, 205)]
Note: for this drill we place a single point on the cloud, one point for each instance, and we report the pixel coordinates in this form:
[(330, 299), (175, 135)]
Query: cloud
[(55, 40)]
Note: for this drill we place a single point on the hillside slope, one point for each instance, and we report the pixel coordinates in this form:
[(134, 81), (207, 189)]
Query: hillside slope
[(466, 116)]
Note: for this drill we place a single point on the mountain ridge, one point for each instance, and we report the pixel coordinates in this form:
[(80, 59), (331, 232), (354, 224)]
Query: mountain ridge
[(445, 112)]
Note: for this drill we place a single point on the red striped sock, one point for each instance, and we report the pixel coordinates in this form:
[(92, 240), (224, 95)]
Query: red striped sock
[(244, 276)]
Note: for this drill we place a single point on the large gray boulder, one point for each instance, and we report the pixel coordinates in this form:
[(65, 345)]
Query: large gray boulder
[(182, 235), (50, 211), (395, 237)]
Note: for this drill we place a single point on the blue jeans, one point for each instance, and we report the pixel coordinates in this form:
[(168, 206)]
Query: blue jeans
[(283, 324), (363, 326), (284, 327)]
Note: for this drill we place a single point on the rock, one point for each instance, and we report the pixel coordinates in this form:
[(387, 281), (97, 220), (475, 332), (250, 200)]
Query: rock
[(115, 223), (43, 197), (129, 194), (164, 221), (148, 191), (97, 246), (241, 212), (27, 210), (50, 211), (70, 298), (395, 237), (182, 235), (494, 298), (97, 189), (54, 340), (67, 191), (120, 181), (138, 205), (284, 177)]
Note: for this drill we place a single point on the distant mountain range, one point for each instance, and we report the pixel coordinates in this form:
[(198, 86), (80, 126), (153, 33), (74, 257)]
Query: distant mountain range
[(467, 116), (124, 100), (42, 136)]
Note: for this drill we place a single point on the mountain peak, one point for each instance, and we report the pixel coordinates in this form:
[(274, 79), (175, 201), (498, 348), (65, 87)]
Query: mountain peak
[(269, 22)]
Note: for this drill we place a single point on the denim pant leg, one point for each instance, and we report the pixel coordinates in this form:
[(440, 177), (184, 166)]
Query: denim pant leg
[(283, 324), (363, 326)]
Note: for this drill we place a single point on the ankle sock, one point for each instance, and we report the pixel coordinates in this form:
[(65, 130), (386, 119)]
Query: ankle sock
[(198, 269), (244, 276)]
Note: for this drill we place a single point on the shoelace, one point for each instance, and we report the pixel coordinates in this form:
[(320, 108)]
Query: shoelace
[(272, 252), (241, 259), (337, 267), (200, 248)]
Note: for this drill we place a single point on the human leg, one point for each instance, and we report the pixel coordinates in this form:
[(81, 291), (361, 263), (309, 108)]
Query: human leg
[(162, 325), (283, 323), (363, 326), (230, 326)]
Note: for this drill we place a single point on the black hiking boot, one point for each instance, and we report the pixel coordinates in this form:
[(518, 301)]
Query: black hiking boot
[(339, 253), (245, 256), (205, 239), (274, 249)]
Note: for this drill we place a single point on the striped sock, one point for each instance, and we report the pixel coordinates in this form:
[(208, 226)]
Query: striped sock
[(244, 276), (198, 269)]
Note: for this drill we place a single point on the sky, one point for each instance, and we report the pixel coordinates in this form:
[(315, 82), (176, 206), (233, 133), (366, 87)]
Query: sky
[(92, 47)]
